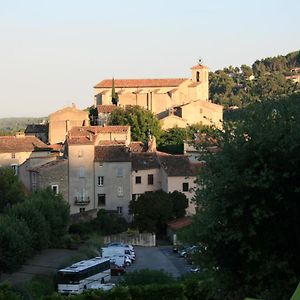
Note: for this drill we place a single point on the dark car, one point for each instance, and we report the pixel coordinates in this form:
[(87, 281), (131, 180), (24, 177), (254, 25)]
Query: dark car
[(116, 270)]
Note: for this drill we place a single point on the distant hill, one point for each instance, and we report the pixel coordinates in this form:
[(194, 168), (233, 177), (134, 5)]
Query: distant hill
[(9, 126), (267, 78)]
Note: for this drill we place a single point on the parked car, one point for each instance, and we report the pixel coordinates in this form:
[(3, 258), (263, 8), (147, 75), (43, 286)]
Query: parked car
[(195, 269), (117, 270)]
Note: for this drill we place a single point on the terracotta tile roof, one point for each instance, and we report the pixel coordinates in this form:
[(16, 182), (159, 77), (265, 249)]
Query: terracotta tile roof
[(11, 144), (87, 134), (82, 131), (36, 128), (139, 83), (138, 147), (144, 161), (106, 109), (111, 143), (112, 154), (180, 223), (198, 67), (50, 164), (57, 147), (176, 165)]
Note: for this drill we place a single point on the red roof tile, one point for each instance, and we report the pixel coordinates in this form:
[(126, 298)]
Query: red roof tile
[(86, 135), (140, 83), (106, 109), (138, 147), (180, 223), (11, 144), (176, 165), (112, 154)]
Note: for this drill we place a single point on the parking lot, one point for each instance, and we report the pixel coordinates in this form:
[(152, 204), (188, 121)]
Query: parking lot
[(159, 258)]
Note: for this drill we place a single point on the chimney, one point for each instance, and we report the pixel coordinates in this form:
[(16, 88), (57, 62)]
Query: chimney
[(151, 144)]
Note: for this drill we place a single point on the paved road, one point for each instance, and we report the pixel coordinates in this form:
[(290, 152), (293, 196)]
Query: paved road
[(159, 258), (45, 263)]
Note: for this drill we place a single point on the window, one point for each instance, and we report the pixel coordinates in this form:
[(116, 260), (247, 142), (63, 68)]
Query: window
[(120, 210), (81, 172), (82, 209), (101, 200), (80, 153), (120, 172), (150, 179), (100, 180), (138, 179), (197, 76), (54, 188), (15, 168), (201, 111), (120, 191), (13, 155), (185, 186), (100, 164)]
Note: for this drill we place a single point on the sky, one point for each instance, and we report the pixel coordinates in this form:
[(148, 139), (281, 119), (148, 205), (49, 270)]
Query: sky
[(53, 52)]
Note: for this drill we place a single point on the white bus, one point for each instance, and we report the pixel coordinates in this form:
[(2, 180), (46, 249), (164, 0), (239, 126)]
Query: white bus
[(83, 275)]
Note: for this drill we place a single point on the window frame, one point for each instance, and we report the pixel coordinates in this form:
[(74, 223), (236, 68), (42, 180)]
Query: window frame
[(100, 180), (184, 185), (150, 179)]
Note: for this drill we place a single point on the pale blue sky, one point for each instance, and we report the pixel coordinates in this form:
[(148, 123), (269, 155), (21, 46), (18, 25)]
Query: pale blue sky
[(53, 52)]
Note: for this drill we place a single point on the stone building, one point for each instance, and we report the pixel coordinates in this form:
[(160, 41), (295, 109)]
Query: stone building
[(175, 101), (63, 120), (14, 150)]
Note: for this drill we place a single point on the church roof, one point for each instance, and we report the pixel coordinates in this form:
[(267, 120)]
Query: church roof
[(139, 83)]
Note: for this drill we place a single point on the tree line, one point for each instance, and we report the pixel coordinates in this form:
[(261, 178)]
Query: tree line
[(265, 79), (28, 224), (247, 222)]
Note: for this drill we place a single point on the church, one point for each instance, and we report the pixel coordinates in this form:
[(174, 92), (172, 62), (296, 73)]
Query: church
[(175, 101)]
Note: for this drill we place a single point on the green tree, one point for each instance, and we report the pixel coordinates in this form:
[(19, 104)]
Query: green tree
[(114, 95), (56, 211), (141, 121), (152, 210), (15, 243), (11, 189), (93, 114), (180, 203), (248, 214), (247, 71), (36, 222), (7, 293)]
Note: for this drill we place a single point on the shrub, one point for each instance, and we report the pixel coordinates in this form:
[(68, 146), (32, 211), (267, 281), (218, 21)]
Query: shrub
[(146, 276), (6, 293), (15, 243), (39, 286)]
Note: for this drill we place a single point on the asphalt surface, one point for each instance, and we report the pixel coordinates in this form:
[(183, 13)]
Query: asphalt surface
[(45, 263), (159, 258)]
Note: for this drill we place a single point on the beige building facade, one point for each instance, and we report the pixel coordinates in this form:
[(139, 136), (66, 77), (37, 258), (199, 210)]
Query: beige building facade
[(165, 97), (14, 150), (63, 120)]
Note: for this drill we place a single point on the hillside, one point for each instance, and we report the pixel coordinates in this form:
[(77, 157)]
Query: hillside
[(11, 125), (265, 79)]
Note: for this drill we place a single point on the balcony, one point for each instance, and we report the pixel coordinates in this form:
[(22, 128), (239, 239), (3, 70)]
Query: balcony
[(82, 200)]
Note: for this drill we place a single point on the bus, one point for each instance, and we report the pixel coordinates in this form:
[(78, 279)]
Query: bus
[(83, 275)]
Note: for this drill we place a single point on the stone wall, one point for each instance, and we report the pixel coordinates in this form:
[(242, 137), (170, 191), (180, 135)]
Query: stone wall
[(135, 239)]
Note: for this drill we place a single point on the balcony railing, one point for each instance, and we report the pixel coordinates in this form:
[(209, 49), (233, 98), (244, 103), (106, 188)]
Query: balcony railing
[(82, 200)]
